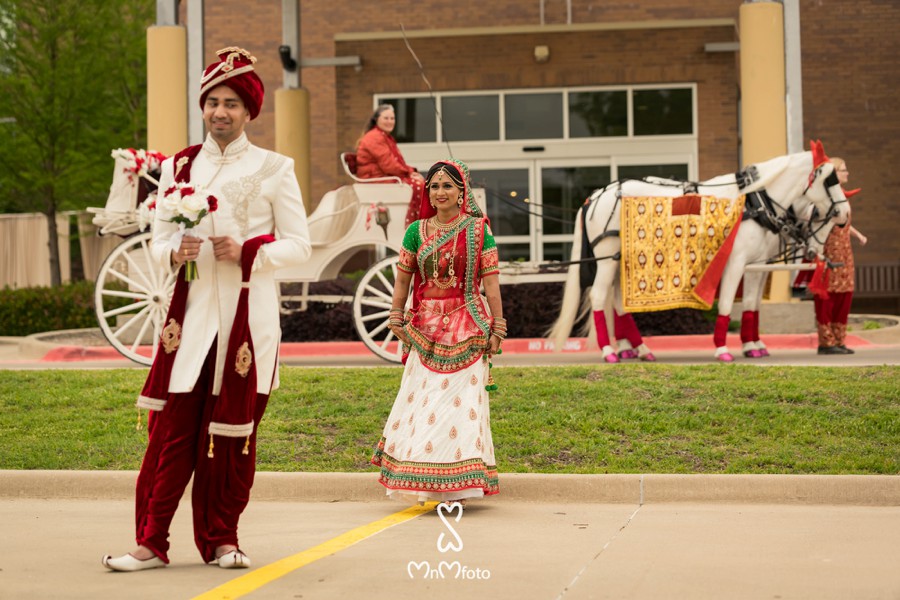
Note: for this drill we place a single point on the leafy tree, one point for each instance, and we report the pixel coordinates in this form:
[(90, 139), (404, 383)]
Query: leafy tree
[(72, 87)]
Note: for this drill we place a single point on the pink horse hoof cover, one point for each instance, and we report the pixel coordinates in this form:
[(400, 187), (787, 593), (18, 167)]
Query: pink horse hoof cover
[(753, 353), (612, 358), (625, 354), (648, 357), (726, 357)]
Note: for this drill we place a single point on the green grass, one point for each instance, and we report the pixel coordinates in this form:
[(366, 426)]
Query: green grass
[(574, 419)]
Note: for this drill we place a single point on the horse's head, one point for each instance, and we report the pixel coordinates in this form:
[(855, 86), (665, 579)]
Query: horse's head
[(823, 190), (805, 182)]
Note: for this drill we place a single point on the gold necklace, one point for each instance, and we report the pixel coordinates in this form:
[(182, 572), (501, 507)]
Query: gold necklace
[(445, 226), (451, 270)]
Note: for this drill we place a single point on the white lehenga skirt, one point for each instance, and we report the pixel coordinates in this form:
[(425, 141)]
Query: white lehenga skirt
[(437, 443)]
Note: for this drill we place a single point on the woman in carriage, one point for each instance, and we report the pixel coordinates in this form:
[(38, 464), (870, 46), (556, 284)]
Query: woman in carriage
[(377, 155)]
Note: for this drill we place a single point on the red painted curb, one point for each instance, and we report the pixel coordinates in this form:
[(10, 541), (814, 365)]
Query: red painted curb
[(669, 343)]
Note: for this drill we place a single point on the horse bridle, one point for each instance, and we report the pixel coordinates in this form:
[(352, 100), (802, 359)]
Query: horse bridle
[(761, 208)]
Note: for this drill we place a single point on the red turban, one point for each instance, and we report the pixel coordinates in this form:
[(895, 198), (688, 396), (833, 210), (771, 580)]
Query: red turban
[(235, 69)]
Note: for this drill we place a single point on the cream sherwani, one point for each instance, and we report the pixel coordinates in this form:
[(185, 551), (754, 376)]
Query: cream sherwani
[(258, 194)]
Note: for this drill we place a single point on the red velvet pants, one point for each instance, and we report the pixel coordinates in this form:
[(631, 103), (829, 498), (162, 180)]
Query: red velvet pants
[(177, 449), (831, 317)]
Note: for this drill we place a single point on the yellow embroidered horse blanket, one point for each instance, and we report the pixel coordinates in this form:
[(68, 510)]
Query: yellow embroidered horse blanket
[(674, 250)]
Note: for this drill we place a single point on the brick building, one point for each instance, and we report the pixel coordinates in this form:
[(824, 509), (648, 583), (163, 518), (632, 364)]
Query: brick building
[(558, 126)]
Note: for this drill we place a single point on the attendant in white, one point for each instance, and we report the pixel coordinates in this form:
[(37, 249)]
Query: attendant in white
[(257, 196)]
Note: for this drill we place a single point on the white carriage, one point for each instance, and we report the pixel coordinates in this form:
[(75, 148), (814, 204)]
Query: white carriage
[(132, 295)]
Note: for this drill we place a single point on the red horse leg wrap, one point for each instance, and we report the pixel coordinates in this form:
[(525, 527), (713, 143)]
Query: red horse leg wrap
[(747, 326), (755, 325), (619, 326), (626, 328), (721, 333), (600, 325)]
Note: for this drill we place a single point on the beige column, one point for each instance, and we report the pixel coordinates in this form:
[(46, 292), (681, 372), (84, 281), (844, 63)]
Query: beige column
[(763, 110), (167, 123), (292, 134)]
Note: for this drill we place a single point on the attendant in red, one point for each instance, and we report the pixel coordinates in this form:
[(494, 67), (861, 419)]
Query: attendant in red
[(832, 311), (377, 155)]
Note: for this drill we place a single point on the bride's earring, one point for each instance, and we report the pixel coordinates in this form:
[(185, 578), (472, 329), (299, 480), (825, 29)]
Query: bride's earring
[(459, 201)]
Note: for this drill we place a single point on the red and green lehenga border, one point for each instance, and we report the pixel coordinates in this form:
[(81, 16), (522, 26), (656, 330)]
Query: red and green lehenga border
[(435, 477), (442, 358)]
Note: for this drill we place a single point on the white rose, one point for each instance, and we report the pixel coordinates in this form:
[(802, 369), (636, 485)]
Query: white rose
[(192, 205), (172, 201)]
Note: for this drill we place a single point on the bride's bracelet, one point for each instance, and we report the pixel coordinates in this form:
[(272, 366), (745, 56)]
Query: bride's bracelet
[(499, 328), (395, 317)]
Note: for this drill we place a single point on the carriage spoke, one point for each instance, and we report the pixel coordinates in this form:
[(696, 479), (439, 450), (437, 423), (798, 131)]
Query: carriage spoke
[(125, 279), (379, 329), (387, 340), (379, 293), (140, 336), (126, 309), (388, 285), (121, 330), (118, 294), (375, 303), (135, 269), (153, 271), (379, 315)]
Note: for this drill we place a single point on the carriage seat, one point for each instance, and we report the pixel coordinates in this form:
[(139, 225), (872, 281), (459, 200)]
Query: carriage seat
[(348, 160), (334, 216)]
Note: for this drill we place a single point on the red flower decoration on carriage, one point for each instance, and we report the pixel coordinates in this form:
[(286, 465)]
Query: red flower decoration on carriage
[(139, 162)]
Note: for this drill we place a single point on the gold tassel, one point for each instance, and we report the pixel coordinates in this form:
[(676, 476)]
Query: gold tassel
[(246, 449), (210, 453), (140, 424)]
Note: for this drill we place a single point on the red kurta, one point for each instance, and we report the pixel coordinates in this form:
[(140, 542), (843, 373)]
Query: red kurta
[(378, 156), (838, 250)]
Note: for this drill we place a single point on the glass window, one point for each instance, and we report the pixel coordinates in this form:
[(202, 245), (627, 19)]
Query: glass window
[(598, 114), (564, 190), (533, 116), (415, 119), (674, 171), (514, 252), (560, 251), (471, 118), (663, 112), (507, 199)]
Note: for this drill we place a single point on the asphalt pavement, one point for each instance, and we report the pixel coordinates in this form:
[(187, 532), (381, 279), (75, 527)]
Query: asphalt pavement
[(334, 536)]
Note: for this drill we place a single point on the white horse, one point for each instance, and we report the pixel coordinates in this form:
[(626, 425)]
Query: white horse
[(775, 190)]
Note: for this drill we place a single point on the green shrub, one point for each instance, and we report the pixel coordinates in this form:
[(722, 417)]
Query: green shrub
[(35, 310)]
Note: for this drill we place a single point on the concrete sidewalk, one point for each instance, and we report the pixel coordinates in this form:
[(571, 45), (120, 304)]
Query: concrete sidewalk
[(629, 537)]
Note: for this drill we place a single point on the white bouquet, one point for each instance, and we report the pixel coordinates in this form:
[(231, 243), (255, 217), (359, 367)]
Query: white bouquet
[(188, 204)]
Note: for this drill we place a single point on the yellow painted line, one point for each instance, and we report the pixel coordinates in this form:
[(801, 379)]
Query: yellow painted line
[(257, 578)]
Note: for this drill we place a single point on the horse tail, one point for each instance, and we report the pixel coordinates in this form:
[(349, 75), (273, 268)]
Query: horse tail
[(572, 292)]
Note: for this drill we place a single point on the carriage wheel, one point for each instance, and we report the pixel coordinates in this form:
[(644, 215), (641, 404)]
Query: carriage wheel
[(372, 307), (131, 298)]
